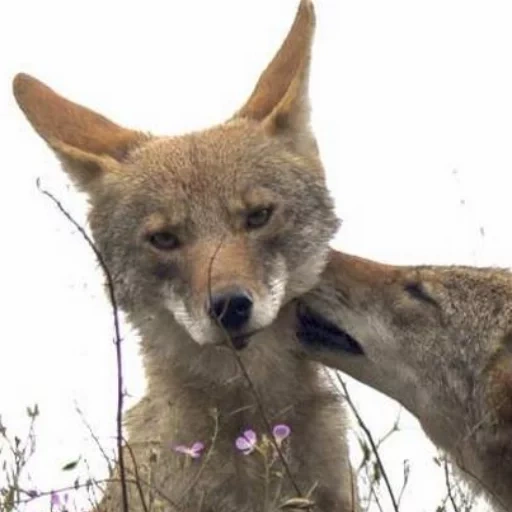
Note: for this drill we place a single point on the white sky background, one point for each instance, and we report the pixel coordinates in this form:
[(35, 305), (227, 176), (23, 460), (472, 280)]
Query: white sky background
[(412, 106)]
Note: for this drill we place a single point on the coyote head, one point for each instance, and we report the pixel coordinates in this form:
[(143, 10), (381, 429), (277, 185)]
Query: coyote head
[(217, 228), (438, 339)]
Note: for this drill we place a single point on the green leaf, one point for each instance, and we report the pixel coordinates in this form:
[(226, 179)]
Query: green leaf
[(71, 465)]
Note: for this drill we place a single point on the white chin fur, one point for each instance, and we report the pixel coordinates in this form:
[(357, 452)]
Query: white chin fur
[(266, 309), (201, 330)]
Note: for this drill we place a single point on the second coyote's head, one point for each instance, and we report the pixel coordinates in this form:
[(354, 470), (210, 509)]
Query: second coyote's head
[(435, 338), (217, 228)]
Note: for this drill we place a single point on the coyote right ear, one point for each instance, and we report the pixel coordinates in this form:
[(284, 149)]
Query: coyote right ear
[(87, 143), (280, 98)]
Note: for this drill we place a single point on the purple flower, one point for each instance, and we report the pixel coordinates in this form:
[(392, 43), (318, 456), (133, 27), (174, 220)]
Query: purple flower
[(54, 499), (281, 432), (246, 443), (193, 451)]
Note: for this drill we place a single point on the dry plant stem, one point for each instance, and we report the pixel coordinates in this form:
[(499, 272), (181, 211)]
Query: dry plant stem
[(117, 340), (267, 483), (21, 452), (92, 490), (373, 493), (369, 436), (97, 483), (254, 392), (94, 438), (406, 480), (392, 430), (449, 486), (137, 476)]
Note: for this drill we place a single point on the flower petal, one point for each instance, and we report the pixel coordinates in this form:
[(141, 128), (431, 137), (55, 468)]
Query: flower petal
[(251, 437), (197, 447), (54, 499), (281, 432), (193, 451), (182, 449), (243, 445)]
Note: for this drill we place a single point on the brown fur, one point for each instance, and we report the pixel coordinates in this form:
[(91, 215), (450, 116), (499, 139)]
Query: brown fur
[(438, 340), (199, 189)]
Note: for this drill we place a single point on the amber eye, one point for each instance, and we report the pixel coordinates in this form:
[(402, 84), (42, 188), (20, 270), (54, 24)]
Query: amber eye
[(258, 218), (164, 241)]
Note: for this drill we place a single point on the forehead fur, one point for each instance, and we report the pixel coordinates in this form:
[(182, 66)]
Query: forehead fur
[(239, 150)]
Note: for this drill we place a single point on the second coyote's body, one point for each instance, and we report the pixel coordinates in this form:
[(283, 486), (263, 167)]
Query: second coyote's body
[(438, 340)]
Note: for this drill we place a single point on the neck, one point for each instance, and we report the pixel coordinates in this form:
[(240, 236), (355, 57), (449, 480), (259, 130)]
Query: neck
[(237, 385), (202, 394)]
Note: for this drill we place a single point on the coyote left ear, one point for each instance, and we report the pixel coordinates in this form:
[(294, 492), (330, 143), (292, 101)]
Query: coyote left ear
[(280, 99), (87, 143)]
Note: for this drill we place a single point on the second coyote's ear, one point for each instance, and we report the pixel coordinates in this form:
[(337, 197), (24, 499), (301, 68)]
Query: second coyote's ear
[(87, 143), (280, 99)]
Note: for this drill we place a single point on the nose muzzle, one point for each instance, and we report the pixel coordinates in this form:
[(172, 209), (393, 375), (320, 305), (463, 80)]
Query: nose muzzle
[(231, 307)]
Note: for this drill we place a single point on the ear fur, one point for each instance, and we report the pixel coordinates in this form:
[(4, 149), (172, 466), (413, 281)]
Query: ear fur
[(86, 142), (280, 99)]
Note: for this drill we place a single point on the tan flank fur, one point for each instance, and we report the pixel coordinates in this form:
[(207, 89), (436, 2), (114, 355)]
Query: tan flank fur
[(207, 236), (438, 340)]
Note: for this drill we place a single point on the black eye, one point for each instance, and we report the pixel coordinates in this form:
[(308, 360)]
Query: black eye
[(258, 218), (164, 240)]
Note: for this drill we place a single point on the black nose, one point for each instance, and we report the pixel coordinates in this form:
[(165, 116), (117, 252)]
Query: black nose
[(231, 307)]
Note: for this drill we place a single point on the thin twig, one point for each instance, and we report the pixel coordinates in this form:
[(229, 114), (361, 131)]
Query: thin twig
[(373, 445), (117, 341), (392, 430), (407, 471), (41, 494), (449, 486), (94, 437), (373, 493), (137, 476)]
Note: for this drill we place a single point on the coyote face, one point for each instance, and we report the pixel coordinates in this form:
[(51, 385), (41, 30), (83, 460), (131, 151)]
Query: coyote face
[(220, 227)]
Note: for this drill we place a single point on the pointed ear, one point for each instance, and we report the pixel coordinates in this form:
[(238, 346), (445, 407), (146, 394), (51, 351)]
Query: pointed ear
[(87, 143), (280, 99)]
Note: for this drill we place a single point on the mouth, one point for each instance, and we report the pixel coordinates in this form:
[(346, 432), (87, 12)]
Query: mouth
[(316, 332), (241, 341)]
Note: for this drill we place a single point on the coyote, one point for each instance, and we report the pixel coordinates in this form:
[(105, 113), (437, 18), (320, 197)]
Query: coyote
[(438, 340), (207, 235)]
